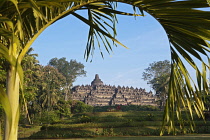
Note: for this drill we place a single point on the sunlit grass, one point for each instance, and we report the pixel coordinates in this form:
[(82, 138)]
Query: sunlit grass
[(27, 131)]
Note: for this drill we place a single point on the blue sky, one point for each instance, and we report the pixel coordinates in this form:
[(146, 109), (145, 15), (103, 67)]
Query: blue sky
[(145, 38)]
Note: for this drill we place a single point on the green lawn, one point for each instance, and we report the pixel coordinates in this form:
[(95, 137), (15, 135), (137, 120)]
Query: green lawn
[(157, 138), (112, 125), (189, 137)]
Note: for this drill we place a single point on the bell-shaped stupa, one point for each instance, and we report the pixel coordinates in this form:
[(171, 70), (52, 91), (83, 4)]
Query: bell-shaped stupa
[(97, 81)]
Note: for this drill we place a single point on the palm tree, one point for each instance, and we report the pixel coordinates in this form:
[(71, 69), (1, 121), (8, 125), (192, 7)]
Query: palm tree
[(49, 100), (185, 23)]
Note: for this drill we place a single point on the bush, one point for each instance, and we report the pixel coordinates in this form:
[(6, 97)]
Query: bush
[(44, 127), (207, 115), (202, 129), (150, 117), (84, 119), (49, 117), (81, 107)]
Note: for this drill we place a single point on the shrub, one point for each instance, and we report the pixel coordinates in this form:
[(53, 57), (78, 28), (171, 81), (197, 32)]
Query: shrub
[(207, 115), (81, 107), (84, 119), (49, 117), (202, 129), (150, 117), (44, 127)]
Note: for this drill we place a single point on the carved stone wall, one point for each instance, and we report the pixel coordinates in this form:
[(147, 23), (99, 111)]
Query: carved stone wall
[(98, 94)]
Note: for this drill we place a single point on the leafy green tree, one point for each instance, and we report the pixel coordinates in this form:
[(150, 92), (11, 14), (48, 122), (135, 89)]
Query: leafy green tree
[(63, 108), (158, 75), (185, 23), (71, 70), (51, 82)]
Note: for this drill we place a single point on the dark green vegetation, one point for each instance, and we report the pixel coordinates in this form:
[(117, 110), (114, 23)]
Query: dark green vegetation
[(109, 124)]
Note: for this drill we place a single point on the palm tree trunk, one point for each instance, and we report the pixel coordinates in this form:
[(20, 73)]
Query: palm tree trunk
[(66, 93), (11, 123)]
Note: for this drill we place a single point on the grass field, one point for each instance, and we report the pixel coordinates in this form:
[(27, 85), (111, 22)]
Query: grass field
[(188, 137), (157, 138), (142, 125)]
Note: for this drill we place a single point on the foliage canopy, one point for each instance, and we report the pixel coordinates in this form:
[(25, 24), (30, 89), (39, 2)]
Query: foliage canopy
[(158, 76)]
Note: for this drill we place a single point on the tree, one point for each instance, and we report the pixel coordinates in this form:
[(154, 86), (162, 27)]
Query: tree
[(51, 83), (71, 70), (31, 67), (63, 108), (186, 25), (158, 75)]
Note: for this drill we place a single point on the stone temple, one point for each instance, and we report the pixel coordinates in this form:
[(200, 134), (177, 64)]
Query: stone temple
[(98, 94)]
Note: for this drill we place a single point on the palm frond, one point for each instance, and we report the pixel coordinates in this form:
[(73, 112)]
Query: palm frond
[(187, 28), (102, 20)]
